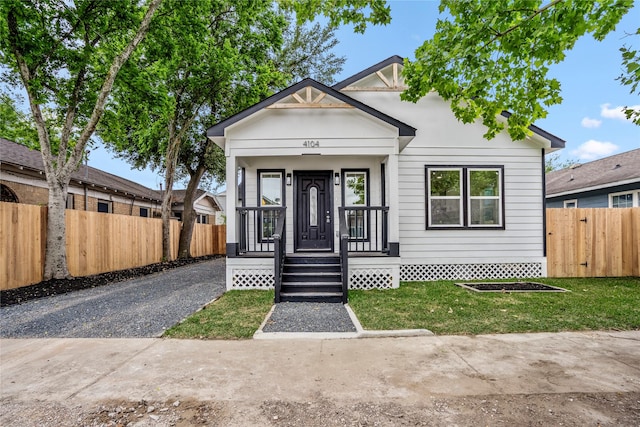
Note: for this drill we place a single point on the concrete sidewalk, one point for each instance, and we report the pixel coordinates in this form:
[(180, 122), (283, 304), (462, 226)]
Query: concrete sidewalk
[(409, 369)]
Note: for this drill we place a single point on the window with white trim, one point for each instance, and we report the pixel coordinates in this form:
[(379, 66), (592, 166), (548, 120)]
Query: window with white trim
[(628, 199), (465, 197), (573, 203)]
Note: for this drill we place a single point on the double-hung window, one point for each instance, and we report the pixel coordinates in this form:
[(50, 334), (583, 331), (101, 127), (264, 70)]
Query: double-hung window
[(271, 195), (465, 197), (356, 195), (624, 200)]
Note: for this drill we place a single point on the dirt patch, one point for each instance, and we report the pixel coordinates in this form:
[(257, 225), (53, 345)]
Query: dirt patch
[(62, 286), (510, 287), (569, 409)]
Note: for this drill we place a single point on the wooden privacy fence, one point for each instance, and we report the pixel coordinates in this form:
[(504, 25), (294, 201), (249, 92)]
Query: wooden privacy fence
[(593, 242), (96, 242)]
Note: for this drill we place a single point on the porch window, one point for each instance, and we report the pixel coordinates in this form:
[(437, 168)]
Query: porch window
[(355, 192), (271, 195), (464, 197)]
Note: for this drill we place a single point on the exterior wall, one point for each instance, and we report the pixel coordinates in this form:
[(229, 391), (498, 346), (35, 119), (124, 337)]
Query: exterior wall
[(273, 139), (29, 194), (442, 140), (592, 199)]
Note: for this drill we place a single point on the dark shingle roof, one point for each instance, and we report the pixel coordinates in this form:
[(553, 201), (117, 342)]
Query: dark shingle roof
[(607, 172), (21, 156)]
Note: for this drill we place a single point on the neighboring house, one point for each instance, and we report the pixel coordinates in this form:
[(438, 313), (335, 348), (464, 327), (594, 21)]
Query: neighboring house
[(23, 180), (612, 182), (414, 193), (205, 205)]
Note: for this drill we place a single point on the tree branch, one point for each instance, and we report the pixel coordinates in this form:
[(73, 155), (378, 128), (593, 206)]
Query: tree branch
[(529, 18)]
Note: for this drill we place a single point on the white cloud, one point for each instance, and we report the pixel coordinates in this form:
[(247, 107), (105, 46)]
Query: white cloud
[(588, 122), (593, 149), (615, 112)]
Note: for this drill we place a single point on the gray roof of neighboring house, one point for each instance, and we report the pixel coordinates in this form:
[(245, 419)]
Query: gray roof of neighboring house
[(21, 156), (177, 196), (614, 170)]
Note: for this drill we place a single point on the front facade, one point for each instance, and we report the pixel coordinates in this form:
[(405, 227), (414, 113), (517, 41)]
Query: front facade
[(611, 182), (403, 191)]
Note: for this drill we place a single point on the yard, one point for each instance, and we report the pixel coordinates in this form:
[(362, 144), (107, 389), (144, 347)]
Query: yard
[(442, 307)]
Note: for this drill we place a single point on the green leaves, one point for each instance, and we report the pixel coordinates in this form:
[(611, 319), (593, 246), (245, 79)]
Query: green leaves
[(631, 76), (360, 13), (487, 57)]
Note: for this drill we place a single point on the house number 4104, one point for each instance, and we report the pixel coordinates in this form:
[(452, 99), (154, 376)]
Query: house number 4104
[(311, 144)]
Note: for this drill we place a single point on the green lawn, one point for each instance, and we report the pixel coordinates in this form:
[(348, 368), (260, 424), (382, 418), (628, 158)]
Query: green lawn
[(236, 315), (442, 307)]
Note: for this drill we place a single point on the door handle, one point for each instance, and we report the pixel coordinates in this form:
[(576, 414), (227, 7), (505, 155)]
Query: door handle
[(328, 218)]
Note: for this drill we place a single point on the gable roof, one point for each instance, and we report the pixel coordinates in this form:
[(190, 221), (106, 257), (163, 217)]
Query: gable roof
[(177, 196), (614, 170), (556, 142), (22, 157), (218, 129), (395, 59)]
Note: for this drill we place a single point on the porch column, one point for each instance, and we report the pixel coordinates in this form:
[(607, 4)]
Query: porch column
[(232, 197), (393, 201)]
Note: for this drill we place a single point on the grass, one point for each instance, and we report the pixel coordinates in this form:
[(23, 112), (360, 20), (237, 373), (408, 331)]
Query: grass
[(236, 315), (443, 308)]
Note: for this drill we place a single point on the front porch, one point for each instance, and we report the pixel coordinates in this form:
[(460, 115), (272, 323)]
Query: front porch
[(363, 258)]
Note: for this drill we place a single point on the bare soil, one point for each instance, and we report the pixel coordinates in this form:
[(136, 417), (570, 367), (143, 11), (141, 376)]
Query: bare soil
[(570, 409), (62, 286)]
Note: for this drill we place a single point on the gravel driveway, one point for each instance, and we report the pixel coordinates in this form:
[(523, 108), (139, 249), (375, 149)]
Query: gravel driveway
[(141, 307)]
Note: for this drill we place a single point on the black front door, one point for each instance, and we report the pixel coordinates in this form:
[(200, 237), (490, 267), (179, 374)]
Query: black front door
[(314, 211)]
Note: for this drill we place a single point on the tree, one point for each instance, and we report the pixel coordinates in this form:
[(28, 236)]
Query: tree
[(254, 68), (66, 56), (489, 56), (495, 56), (198, 51)]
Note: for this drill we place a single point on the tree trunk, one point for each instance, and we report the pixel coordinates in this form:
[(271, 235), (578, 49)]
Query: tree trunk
[(55, 266), (170, 170), (189, 214)]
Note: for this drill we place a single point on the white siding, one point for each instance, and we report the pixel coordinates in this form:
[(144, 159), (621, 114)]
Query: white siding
[(442, 140)]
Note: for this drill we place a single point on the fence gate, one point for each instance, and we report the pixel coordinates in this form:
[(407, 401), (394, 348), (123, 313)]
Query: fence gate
[(593, 242)]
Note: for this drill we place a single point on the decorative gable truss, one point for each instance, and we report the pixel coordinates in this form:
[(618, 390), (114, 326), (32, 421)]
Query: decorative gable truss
[(309, 97), (387, 79)]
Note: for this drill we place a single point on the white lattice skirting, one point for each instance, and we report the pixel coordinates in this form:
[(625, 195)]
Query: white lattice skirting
[(428, 272), (371, 278), (252, 279)]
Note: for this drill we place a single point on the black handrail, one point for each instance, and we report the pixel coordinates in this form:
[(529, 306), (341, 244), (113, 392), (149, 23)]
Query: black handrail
[(367, 227), (344, 255), (256, 227), (279, 252)]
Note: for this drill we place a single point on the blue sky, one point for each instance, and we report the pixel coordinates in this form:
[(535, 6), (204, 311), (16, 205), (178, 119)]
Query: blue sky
[(588, 118)]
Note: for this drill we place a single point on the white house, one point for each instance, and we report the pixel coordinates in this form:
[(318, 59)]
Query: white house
[(379, 189)]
